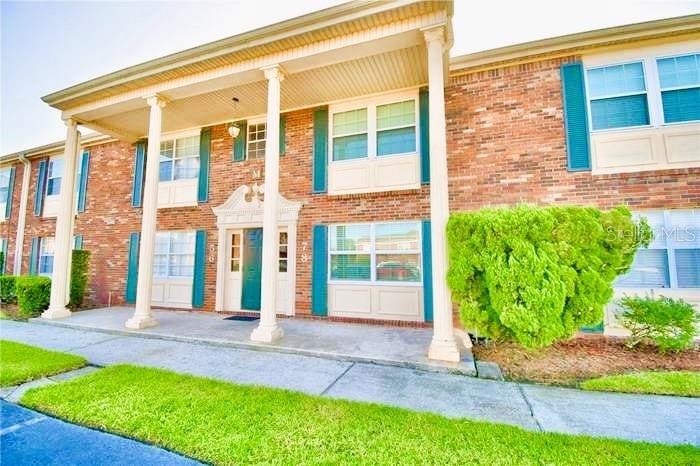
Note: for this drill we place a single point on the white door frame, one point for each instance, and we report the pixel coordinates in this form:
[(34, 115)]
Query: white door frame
[(244, 209)]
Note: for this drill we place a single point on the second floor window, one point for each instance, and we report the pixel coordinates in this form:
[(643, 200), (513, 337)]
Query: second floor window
[(257, 135), (179, 159), (679, 79), (55, 174), (4, 186), (618, 96)]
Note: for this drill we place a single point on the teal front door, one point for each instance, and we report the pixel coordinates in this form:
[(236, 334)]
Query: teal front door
[(252, 266)]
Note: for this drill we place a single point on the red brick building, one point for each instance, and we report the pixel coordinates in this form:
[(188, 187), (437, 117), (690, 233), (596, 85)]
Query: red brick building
[(374, 144)]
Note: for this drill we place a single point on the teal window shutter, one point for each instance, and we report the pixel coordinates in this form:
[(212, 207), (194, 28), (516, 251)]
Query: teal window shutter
[(320, 173), (10, 189), (575, 117), (82, 182), (427, 272), (283, 134), (239, 144), (40, 188), (200, 260), (34, 256), (424, 126), (139, 173), (132, 268), (319, 273), (204, 155), (78, 242)]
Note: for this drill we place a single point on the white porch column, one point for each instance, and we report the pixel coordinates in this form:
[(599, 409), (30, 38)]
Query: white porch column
[(443, 346), (64, 227), (268, 330), (142, 317)]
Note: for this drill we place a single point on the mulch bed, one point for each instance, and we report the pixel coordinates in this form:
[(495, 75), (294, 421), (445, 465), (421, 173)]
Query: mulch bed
[(584, 357)]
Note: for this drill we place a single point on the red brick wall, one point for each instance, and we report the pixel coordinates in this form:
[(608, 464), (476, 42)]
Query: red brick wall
[(505, 145), (505, 142)]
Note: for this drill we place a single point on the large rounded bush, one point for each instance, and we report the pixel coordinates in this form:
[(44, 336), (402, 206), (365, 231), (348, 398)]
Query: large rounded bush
[(535, 275)]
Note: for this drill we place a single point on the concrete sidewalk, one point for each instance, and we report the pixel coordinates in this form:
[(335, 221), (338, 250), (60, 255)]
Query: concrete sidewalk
[(28, 437), (672, 420)]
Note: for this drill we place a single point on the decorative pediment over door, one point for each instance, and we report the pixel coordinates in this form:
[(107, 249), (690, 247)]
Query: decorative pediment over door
[(245, 207)]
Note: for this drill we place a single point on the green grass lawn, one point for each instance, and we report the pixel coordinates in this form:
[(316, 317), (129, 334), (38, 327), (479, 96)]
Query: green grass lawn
[(21, 363), (225, 423), (682, 383)]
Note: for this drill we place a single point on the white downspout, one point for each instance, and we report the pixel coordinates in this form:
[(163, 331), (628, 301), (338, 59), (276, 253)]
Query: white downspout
[(22, 219)]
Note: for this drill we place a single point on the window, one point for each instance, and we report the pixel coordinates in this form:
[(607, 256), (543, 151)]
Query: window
[(4, 186), (396, 128), (374, 130), (350, 134), (46, 252), (53, 184), (174, 254), (284, 248), (383, 252), (179, 159), (236, 252), (679, 78), (617, 96), (257, 134), (672, 260)]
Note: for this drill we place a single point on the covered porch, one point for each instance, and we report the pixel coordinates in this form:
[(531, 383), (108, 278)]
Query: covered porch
[(392, 346), (351, 52)]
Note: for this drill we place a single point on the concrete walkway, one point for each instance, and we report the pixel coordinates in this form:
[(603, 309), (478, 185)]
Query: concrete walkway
[(396, 346), (671, 420), (28, 437)]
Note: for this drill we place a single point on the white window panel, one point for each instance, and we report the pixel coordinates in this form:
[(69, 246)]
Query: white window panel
[(174, 254), (256, 141), (179, 159)]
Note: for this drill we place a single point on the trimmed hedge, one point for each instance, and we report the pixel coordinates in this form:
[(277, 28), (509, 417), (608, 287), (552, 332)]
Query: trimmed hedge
[(536, 275), (8, 292), (78, 277), (33, 295)]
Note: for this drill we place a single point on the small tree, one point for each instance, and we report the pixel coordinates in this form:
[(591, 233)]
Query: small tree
[(536, 275), (78, 277), (669, 323)]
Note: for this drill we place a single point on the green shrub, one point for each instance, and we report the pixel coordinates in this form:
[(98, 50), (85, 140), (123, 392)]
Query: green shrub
[(33, 295), (669, 323), (8, 292), (536, 275), (78, 277)]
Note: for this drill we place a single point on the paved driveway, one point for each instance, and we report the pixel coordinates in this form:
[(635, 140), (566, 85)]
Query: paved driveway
[(672, 420), (28, 438)]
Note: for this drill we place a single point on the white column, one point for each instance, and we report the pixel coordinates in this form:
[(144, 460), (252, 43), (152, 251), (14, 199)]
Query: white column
[(268, 330), (64, 235), (443, 346), (21, 220), (142, 317)]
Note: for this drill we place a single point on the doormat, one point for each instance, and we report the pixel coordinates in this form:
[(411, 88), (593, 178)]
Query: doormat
[(242, 318)]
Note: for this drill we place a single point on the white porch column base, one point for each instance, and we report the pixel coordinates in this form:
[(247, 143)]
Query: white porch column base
[(64, 229), (267, 333), (269, 330), (444, 350), (139, 322), (444, 345)]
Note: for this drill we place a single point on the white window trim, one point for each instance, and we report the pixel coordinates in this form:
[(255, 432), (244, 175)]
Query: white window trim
[(48, 171), (589, 99), (249, 123), (3, 205), (169, 277), (676, 88), (42, 245), (668, 246), (373, 252), (371, 104), (174, 137)]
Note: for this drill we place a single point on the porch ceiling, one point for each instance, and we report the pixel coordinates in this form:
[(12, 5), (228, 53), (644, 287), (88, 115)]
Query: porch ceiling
[(377, 73)]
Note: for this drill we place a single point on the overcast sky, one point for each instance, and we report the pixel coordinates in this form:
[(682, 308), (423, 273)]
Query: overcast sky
[(47, 46)]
